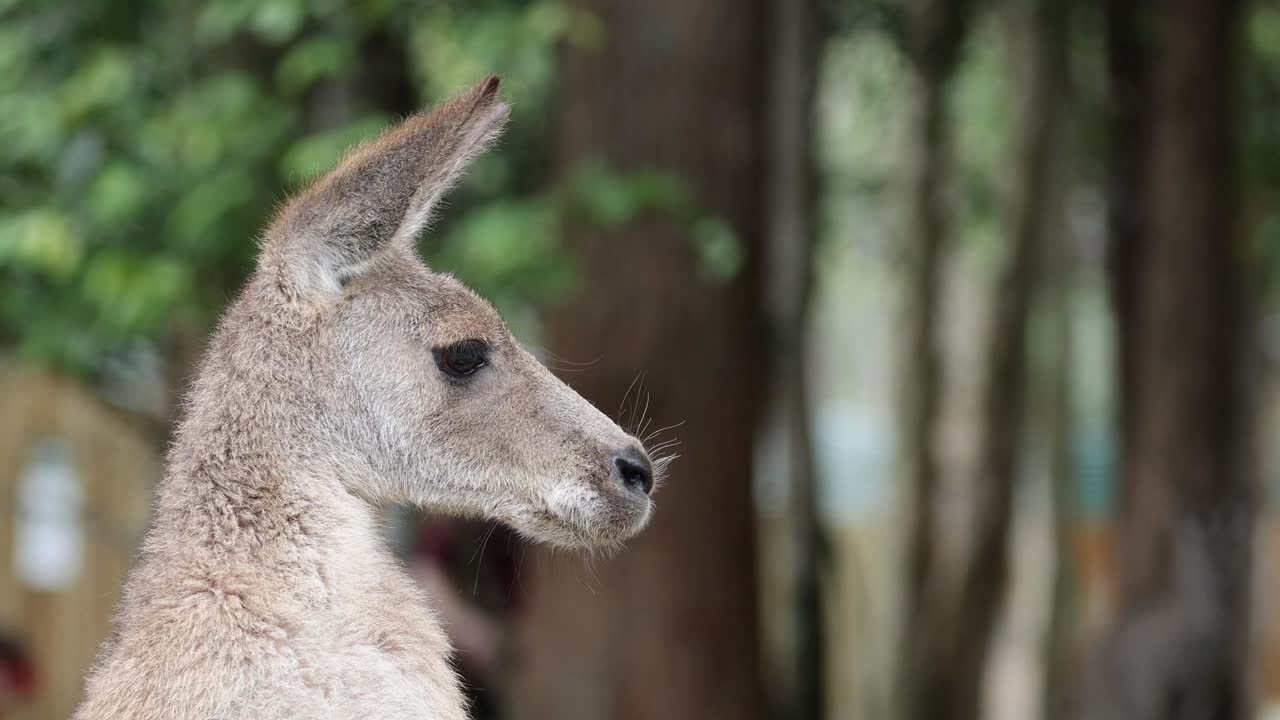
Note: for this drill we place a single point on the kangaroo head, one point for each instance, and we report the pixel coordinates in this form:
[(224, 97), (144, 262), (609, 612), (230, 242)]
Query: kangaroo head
[(424, 390)]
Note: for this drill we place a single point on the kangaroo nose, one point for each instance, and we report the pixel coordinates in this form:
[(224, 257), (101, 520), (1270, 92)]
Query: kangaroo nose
[(634, 469)]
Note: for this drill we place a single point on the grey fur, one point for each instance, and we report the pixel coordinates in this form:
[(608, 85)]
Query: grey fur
[(264, 589)]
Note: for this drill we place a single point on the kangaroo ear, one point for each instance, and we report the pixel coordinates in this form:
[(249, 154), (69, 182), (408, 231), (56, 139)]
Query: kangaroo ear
[(382, 193)]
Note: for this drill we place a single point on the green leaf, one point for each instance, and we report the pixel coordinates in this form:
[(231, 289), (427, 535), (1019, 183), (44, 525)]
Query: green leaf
[(41, 239), (507, 249), (313, 60), (220, 19), (277, 21), (117, 195), (720, 254), (102, 80), (196, 223), (610, 199), (32, 127)]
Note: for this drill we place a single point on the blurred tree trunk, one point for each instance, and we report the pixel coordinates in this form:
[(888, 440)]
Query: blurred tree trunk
[(955, 684), (668, 628), (1127, 107), (791, 180), (1179, 646), (1060, 650), (934, 36)]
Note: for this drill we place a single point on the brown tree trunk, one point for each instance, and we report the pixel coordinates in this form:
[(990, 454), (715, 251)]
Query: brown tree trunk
[(791, 180), (1179, 648), (955, 632), (1060, 646), (986, 577), (667, 629), (1127, 107), (934, 38), (960, 629)]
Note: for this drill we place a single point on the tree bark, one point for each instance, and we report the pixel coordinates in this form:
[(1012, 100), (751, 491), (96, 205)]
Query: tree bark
[(791, 191), (668, 628), (1178, 648), (1127, 103), (1060, 650), (934, 36), (955, 683)]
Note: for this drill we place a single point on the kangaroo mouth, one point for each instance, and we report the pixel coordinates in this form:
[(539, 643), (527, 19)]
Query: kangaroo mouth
[(581, 518)]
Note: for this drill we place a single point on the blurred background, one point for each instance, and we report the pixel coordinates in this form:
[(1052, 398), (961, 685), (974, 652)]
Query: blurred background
[(963, 317)]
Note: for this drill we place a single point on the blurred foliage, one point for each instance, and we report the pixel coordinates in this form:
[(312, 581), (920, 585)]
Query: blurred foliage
[(1261, 145), (862, 138), (983, 104), (146, 142)]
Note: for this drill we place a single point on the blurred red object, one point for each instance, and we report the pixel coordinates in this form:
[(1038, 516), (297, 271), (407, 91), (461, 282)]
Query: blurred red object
[(17, 674)]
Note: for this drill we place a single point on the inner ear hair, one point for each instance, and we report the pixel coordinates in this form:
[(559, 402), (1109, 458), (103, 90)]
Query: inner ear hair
[(382, 193)]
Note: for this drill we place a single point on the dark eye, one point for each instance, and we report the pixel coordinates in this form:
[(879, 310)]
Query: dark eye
[(462, 359)]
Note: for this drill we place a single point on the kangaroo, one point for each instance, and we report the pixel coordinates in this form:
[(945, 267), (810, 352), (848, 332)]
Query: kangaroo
[(348, 375)]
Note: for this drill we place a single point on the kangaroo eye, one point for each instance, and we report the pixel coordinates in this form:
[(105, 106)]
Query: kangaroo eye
[(463, 358)]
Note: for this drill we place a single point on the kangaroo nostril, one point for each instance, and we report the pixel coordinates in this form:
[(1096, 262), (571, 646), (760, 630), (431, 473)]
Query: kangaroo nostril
[(635, 470)]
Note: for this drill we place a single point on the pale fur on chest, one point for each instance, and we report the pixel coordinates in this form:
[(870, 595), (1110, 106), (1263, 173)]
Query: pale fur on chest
[(317, 622), (385, 657)]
